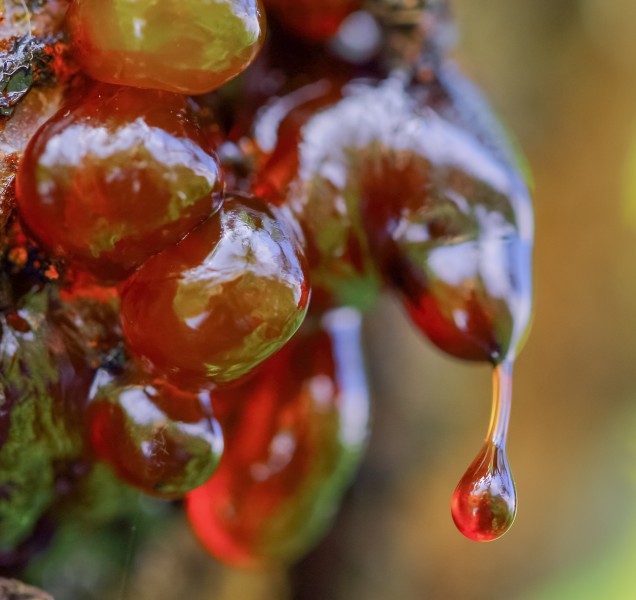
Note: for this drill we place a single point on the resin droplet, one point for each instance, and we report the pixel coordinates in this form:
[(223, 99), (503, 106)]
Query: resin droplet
[(484, 503)]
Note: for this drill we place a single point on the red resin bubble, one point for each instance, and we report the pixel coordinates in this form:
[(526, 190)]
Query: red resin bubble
[(308, 141), (214, 306), (449, 223), (294, 434), (154, 436), (116, 177), (484, 503), (185, 46)]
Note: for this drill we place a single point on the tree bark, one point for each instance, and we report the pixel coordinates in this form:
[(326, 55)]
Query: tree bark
[(10, 589)]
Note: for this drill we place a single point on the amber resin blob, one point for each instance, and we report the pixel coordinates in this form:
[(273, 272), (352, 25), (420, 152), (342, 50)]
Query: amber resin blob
[(185, 46), (117, 177), (214, 306), (154, 436), (295, 434), (484, 504)]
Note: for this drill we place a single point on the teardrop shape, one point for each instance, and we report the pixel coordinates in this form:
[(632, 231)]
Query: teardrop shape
[(484, 504)]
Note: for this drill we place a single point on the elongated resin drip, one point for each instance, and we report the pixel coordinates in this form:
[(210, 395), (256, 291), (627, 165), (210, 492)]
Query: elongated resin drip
[(484, 503)]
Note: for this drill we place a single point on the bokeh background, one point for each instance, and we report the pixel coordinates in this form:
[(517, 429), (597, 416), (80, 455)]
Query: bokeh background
[(563, 77)]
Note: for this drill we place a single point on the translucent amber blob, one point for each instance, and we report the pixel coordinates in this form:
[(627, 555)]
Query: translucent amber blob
[(309, 143), (294, 433), (184, 46), (155, 436), (220, 302), (484, 504), (116, 177), (449, 223)]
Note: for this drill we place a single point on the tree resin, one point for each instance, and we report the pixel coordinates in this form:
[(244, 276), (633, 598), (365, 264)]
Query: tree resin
[(484, 503)]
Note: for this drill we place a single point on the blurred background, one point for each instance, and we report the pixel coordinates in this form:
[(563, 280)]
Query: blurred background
[(563, 77)]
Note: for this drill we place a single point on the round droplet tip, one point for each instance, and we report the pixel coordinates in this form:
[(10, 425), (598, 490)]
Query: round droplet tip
[(484, 504)]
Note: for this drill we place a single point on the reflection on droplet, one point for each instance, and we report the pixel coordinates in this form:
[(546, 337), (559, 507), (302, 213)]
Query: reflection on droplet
[(484, 503)]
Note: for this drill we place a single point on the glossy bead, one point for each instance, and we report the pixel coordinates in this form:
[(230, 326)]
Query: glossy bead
[(116, 177), (449, 222), (154, 436), (184, 46), (294, 433), (308, 140), (484, 503), (214, 306)]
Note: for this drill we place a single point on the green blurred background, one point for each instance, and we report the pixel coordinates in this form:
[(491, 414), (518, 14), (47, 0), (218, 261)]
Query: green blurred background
[(563, 76)]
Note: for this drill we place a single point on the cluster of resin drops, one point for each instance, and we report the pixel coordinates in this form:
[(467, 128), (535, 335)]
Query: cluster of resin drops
[(186, 261)]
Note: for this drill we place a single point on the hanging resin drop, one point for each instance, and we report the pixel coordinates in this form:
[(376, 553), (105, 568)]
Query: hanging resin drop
[(484, 503)]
